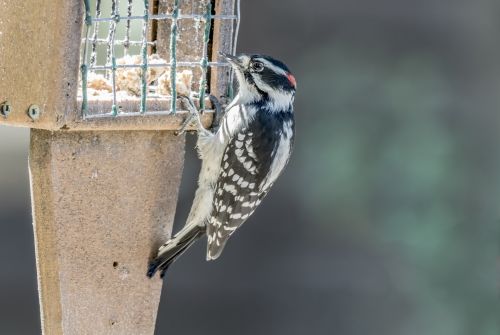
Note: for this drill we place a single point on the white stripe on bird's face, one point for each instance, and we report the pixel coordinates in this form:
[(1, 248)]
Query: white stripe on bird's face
[(279, 99), (271, 66)]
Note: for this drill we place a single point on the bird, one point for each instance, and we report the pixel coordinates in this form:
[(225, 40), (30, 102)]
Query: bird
[(241, 159)]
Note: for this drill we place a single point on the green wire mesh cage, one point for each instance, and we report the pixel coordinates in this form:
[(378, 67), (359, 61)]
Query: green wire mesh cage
[(138, 56)]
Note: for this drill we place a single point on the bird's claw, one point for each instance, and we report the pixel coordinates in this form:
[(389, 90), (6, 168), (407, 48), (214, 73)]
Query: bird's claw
[(193, 113), (186, 123)]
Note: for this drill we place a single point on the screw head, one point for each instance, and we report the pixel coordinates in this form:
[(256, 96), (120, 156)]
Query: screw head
[(5, 108), (34, 112)]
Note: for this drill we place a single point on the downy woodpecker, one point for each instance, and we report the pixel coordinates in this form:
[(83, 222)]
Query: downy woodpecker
[(241, 160)]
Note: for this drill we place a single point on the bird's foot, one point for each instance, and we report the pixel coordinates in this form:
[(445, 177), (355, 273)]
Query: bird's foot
[(193, 115)]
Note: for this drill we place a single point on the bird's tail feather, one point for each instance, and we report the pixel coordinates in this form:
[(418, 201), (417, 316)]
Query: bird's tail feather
[(170, 253)]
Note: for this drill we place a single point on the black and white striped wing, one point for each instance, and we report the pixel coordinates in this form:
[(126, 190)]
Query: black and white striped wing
[(240, 188)]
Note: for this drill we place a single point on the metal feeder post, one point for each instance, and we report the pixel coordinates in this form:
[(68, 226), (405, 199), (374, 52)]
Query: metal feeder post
[(105, 184)]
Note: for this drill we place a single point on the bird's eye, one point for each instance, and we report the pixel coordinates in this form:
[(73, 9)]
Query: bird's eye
[(257, 66)]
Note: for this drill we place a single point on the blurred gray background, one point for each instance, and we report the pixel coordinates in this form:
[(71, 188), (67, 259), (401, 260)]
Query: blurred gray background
[(385, 222)]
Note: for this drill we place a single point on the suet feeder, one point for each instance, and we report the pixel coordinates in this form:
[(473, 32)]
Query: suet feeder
[(97, 82)]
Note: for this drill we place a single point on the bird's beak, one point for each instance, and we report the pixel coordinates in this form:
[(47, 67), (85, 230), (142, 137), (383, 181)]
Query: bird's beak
[(233, 60)]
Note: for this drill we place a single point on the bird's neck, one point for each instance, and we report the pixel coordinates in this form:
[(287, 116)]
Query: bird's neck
[(278, 101)]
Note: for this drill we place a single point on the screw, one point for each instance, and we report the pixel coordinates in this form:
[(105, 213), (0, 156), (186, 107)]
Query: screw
[(34, 112), (5, 108)]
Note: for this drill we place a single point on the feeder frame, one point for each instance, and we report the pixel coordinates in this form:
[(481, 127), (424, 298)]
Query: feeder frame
[(104, 184)]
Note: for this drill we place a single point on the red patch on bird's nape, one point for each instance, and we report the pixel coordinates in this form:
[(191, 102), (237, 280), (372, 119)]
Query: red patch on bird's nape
[(291, 79)]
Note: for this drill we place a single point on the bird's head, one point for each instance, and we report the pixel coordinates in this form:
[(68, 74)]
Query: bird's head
[(262, 77)]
